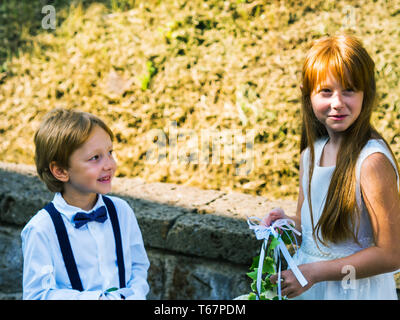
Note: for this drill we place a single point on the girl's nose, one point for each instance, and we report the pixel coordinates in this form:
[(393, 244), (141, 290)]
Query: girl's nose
[(337, 101)]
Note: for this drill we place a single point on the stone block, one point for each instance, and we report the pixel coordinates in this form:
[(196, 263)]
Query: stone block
[(213, 237), (191, 278), (22, 194), (190, 198), (154, 219), (11, 260), (240, 206)]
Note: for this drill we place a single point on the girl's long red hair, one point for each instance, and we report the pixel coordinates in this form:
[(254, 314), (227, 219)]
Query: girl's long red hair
[(344, 57)]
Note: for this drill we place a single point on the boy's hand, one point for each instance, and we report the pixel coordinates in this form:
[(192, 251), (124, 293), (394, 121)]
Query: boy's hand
[(274, 214), (103, 297), (112, 294)]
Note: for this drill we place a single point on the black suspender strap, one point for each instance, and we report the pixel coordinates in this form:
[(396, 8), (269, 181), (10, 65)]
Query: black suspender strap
[(118, 243), (65, 247)]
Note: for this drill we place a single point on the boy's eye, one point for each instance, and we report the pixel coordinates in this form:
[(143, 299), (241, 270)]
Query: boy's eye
[(96, 157)]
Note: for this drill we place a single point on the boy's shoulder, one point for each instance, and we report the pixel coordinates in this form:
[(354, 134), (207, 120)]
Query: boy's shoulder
[(41, 222)]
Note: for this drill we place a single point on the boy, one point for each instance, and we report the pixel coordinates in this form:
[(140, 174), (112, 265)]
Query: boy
[(82, 245)]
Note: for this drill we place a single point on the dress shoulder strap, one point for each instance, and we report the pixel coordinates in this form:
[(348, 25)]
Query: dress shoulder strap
[(373, 146), (318, 146)]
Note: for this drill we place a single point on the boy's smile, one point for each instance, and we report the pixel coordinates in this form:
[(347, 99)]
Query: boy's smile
[(91, 168)]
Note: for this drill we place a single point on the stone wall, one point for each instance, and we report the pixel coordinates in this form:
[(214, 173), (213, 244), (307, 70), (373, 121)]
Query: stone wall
[(198, 241)]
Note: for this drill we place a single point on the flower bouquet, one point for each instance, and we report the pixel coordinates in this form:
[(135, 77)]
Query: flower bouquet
[(269, 262)]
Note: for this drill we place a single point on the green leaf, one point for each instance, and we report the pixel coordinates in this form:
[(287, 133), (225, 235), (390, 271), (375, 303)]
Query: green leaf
[(288, 237), (253, 274), (268, 266), (264, 296), (255, 263), (252, 296), (263, 286), (253, 286), (268, 285), (274, 243)]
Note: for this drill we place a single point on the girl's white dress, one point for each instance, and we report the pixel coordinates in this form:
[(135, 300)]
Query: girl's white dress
[(381, 286)]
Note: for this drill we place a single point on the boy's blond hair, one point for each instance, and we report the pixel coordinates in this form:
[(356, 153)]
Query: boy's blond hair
[(61, 132)]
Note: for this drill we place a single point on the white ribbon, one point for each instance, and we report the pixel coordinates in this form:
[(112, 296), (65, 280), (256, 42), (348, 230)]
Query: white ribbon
[(264, 232)]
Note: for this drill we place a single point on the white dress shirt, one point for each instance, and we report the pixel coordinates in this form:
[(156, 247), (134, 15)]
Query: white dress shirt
[(93, 245)]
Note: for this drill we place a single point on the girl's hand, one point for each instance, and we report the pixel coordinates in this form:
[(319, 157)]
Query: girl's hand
[(274, 214), (290, 286)]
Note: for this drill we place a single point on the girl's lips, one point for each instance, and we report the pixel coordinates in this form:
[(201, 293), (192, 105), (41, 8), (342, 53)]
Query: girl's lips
[(338, 117)]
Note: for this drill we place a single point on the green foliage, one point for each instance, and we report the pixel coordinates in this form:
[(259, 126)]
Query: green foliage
[(122, 5), (151, 70), (20, 19), (207, 65), (268, 269)]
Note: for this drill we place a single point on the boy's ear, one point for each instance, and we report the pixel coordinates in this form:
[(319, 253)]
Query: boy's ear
[(58, 172)]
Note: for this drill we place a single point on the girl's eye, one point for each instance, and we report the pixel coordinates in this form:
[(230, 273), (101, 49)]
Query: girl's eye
[(349, 92), (325, 91)]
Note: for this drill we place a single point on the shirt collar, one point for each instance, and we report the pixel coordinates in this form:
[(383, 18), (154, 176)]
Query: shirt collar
[(68, 210)]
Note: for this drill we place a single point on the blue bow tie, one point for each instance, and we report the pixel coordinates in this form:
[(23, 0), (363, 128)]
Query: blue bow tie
[(99, 215)]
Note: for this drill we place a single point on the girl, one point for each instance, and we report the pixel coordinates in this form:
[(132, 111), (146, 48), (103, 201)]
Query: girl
[(349, 206)]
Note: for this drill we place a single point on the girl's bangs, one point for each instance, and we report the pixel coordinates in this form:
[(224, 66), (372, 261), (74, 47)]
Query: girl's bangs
[(331, 63)]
